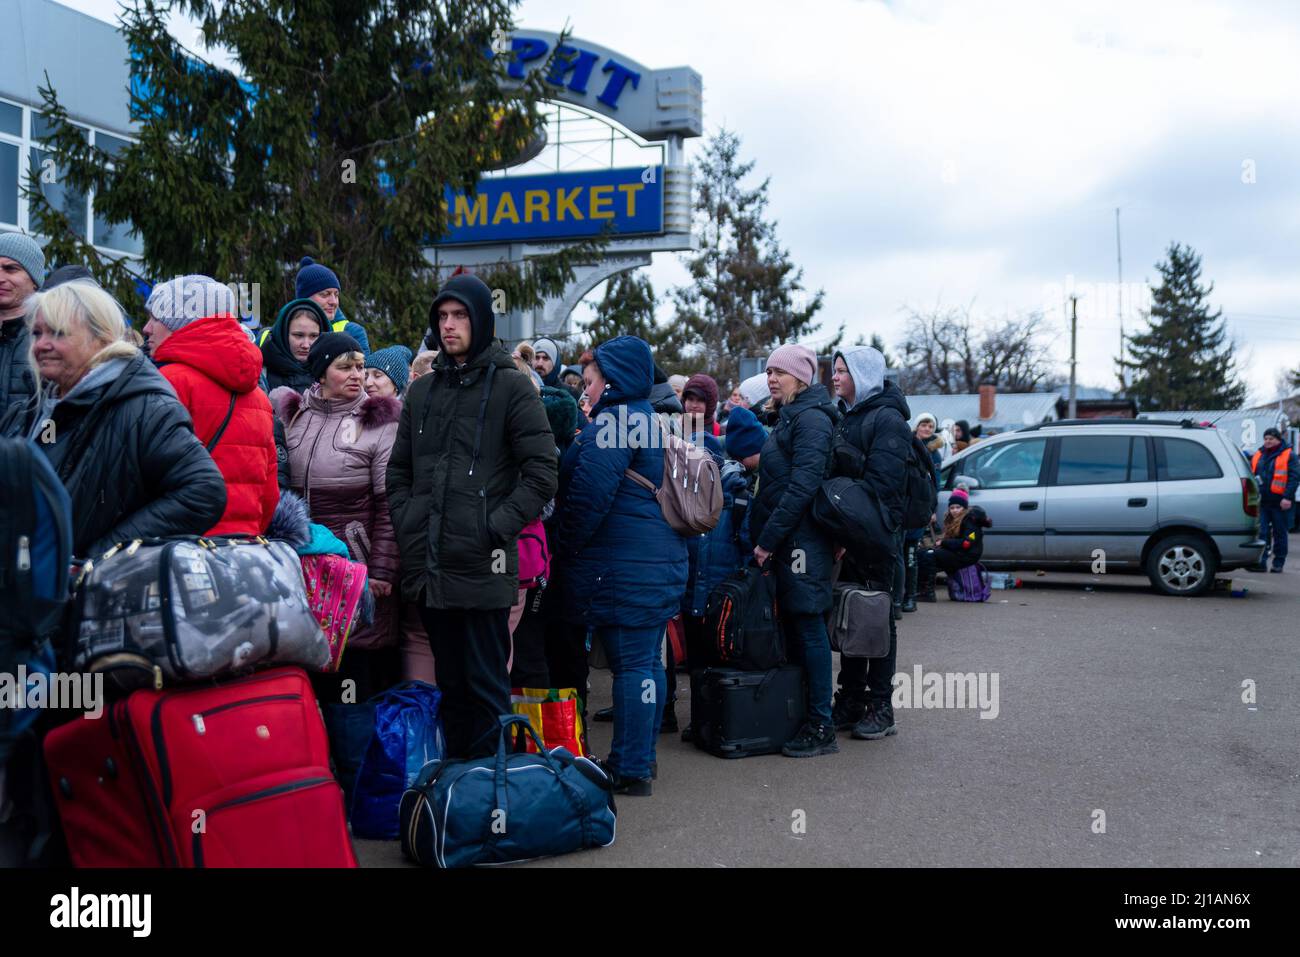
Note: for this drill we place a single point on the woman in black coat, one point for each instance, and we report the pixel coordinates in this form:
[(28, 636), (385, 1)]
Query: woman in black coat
[(792, 466), (113, 429), (286, 345)]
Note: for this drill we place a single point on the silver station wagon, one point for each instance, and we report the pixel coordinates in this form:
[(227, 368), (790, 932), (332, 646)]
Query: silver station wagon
[(1174, 500)]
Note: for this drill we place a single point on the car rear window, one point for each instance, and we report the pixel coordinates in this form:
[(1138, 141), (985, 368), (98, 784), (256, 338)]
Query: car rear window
[(1101, 460), (1182, 459)]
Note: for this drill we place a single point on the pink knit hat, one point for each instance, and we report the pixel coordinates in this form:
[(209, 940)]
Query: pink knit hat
[(799, 361)]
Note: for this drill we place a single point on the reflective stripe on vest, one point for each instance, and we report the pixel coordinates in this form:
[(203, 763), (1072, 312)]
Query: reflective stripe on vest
[(338, 325), (1278, 485)]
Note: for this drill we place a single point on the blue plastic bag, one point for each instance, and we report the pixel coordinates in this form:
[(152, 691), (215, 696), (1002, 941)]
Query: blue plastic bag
[(408, 735)]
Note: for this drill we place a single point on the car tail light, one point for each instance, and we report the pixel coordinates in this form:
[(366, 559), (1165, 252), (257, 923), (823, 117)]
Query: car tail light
[(1250, 497)]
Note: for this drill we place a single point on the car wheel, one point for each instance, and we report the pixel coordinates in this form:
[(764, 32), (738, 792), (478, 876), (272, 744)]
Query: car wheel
[(1182, 565)]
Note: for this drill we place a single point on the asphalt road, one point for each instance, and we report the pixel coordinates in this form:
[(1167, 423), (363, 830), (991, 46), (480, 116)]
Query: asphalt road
[(1111, 700)]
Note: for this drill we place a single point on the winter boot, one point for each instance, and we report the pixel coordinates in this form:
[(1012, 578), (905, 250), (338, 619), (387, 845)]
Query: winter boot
[(877, 723), (847, 710), (812, 740), (909, 589)]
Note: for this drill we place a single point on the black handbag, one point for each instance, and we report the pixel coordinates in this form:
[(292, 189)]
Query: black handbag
[(848, 511)]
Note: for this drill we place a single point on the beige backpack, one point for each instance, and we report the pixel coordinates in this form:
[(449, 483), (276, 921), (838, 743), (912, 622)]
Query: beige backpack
[(690, 496)]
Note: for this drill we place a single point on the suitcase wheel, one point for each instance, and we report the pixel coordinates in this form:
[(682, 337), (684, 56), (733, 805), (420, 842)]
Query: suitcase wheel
[(65, 788)]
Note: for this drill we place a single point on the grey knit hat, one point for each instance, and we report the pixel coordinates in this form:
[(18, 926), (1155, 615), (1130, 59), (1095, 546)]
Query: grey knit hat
[(25, 252), (180, 301)]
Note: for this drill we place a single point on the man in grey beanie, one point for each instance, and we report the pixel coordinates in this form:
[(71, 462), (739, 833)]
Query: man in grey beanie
[(22, 270)]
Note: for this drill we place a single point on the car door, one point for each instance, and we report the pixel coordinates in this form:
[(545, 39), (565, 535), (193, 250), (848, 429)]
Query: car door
[(1008, 485), (1101, 500)]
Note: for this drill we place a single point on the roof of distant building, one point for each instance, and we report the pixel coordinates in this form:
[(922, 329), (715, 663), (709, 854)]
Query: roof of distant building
[(1012, 410)]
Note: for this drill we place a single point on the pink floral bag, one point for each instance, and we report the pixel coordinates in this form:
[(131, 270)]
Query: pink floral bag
[(334, 589)]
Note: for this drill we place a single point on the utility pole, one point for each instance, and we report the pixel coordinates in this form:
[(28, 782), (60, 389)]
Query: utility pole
[(1074, 338), (1119, 307)]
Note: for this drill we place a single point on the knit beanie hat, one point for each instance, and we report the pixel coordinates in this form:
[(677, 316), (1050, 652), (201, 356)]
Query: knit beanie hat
[(562, 412), (548, 346), (703, 386), (25, 252), (745, 436), (1273, 432), (328, 348), (755, 390), (798, 361), (960, 497), (312, 278), (926, 417), (180, 301), (394, 362)]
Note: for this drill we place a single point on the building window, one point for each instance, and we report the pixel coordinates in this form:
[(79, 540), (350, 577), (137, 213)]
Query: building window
[(18, 143), (8, 183)]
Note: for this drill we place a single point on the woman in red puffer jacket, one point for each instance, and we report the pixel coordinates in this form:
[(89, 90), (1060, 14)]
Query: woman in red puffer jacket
[(339, 440)]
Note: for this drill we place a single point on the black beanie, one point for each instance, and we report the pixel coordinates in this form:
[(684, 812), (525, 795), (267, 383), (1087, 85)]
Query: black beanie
[(326, 349)]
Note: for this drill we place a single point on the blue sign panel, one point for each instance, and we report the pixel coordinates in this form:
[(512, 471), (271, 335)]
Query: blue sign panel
[(558, 206)]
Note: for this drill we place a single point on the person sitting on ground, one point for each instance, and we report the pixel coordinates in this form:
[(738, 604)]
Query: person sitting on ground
[(961, 546)]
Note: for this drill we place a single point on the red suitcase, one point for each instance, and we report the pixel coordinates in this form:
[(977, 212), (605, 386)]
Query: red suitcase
[(228, 775)]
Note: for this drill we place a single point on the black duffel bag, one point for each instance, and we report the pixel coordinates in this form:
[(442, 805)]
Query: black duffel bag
[(742, 628), (848, 511)]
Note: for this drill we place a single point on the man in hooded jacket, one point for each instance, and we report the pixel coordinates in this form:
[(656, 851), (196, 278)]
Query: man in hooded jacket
[(874, 427), (473, 463)]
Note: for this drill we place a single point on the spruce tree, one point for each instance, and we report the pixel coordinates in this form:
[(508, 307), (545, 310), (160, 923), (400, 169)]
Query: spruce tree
[(746, 295), (347, 120), (628, 309), (1183, 359)]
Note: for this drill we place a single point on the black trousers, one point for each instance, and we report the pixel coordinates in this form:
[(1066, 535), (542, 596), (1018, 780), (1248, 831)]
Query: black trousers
[(470, 650)]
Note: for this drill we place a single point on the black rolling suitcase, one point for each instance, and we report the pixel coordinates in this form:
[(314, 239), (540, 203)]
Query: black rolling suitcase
[(736, 714)]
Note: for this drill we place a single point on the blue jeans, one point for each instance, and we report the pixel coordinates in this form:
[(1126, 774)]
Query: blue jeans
[(640, 692), (1273, 524), (810, 643)]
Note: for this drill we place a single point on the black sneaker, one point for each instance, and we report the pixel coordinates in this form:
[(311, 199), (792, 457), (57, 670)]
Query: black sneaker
[(847, 711), (633, 787), (877, 723), (812, 740), (688, 733), (669, 723), (909, 604), (604, 714)]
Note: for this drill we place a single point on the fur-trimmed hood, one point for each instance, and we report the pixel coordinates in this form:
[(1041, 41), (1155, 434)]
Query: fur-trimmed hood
[(375, 411)]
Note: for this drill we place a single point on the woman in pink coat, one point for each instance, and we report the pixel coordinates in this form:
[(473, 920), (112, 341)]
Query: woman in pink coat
[(339, 439)]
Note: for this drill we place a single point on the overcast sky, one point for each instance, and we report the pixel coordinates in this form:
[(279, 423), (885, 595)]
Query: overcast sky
[(931, 152)]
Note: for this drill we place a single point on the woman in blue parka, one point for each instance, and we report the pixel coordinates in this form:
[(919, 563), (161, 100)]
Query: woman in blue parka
[(626, 567)]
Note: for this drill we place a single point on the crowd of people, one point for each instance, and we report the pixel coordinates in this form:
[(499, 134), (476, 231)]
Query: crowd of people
[(436, 465)]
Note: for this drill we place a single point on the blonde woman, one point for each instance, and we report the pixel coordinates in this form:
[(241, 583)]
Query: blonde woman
[(112, 427)]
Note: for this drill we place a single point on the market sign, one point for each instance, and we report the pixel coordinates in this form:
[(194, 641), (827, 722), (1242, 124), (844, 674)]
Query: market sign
[(507, 209), (654, 104)]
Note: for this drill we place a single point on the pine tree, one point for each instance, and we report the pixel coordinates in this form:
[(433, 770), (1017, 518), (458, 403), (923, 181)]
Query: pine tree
[(1183, 360), (746, 295), (878, 344), (628, 309), (347, 121)]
